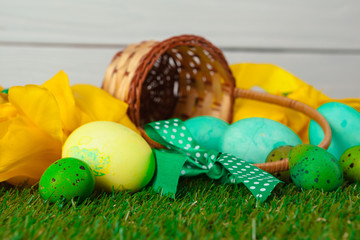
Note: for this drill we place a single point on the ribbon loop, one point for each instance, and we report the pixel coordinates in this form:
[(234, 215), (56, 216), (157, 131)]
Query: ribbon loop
[(216, 171), (174, 135)]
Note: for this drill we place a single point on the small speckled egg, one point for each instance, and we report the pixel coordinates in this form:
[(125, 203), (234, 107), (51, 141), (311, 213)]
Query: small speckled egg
[(207, 130), (314, 167), (350, 164), (345, 127), (65, 179), (279, 154), (252, 139), (120, 158)]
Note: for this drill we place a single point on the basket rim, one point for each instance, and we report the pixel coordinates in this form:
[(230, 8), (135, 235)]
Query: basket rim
[(148, 60)]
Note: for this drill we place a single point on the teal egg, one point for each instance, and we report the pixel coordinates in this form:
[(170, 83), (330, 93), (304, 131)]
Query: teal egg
[(280, 154), (345, 127), (207, 130), (65, 179), (314, 167), (350, 164), (252, 139)]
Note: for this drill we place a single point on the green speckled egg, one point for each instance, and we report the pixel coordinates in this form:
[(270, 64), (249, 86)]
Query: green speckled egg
[(350, 164), (65, 179), (279, 154), (314, 167)]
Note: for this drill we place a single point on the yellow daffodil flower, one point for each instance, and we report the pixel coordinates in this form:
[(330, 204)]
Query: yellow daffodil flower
[(36, 120), (277, 81)]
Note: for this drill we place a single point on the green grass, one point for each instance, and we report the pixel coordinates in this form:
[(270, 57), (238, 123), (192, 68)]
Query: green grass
[(202, 209)]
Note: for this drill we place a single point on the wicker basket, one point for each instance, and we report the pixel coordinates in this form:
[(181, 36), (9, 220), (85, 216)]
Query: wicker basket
[(185, 76)]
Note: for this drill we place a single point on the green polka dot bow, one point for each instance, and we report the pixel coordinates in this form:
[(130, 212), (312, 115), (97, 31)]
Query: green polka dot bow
[(184, 157)]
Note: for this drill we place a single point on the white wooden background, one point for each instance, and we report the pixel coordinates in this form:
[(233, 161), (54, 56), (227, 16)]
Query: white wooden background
[(316, 40)]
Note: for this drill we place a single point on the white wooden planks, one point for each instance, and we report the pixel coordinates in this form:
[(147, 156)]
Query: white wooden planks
[(318, 41), (336, 75), (262, 23)]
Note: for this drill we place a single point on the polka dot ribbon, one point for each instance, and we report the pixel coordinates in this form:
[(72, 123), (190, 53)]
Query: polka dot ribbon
[(184, 157)]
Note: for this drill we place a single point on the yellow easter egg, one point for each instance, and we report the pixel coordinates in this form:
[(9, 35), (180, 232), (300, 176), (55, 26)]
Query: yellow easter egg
[(119, 158)]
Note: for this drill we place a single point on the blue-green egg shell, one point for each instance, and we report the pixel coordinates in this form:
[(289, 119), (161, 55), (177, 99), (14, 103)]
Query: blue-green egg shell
[(345, 127), (350, 164), (280, 154), (207, 131), (65, 179), (252, 139), (314, 167)]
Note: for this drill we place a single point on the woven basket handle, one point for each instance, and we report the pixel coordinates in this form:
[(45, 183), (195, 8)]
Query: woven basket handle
[(282, 165)]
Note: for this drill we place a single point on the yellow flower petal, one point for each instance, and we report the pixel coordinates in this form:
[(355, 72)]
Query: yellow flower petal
[(40, 107), (7, 111), (98, 105), (26, 150), (60, 88), (30, 135)]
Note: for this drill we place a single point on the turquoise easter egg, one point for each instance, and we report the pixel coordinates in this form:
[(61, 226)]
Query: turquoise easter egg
[(207, 131), (314, 167), (350, 164), (252, 139), (345, 127)]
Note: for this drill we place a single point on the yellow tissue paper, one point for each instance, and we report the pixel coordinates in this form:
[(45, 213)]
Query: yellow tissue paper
[(36, 120), (277, 81)]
